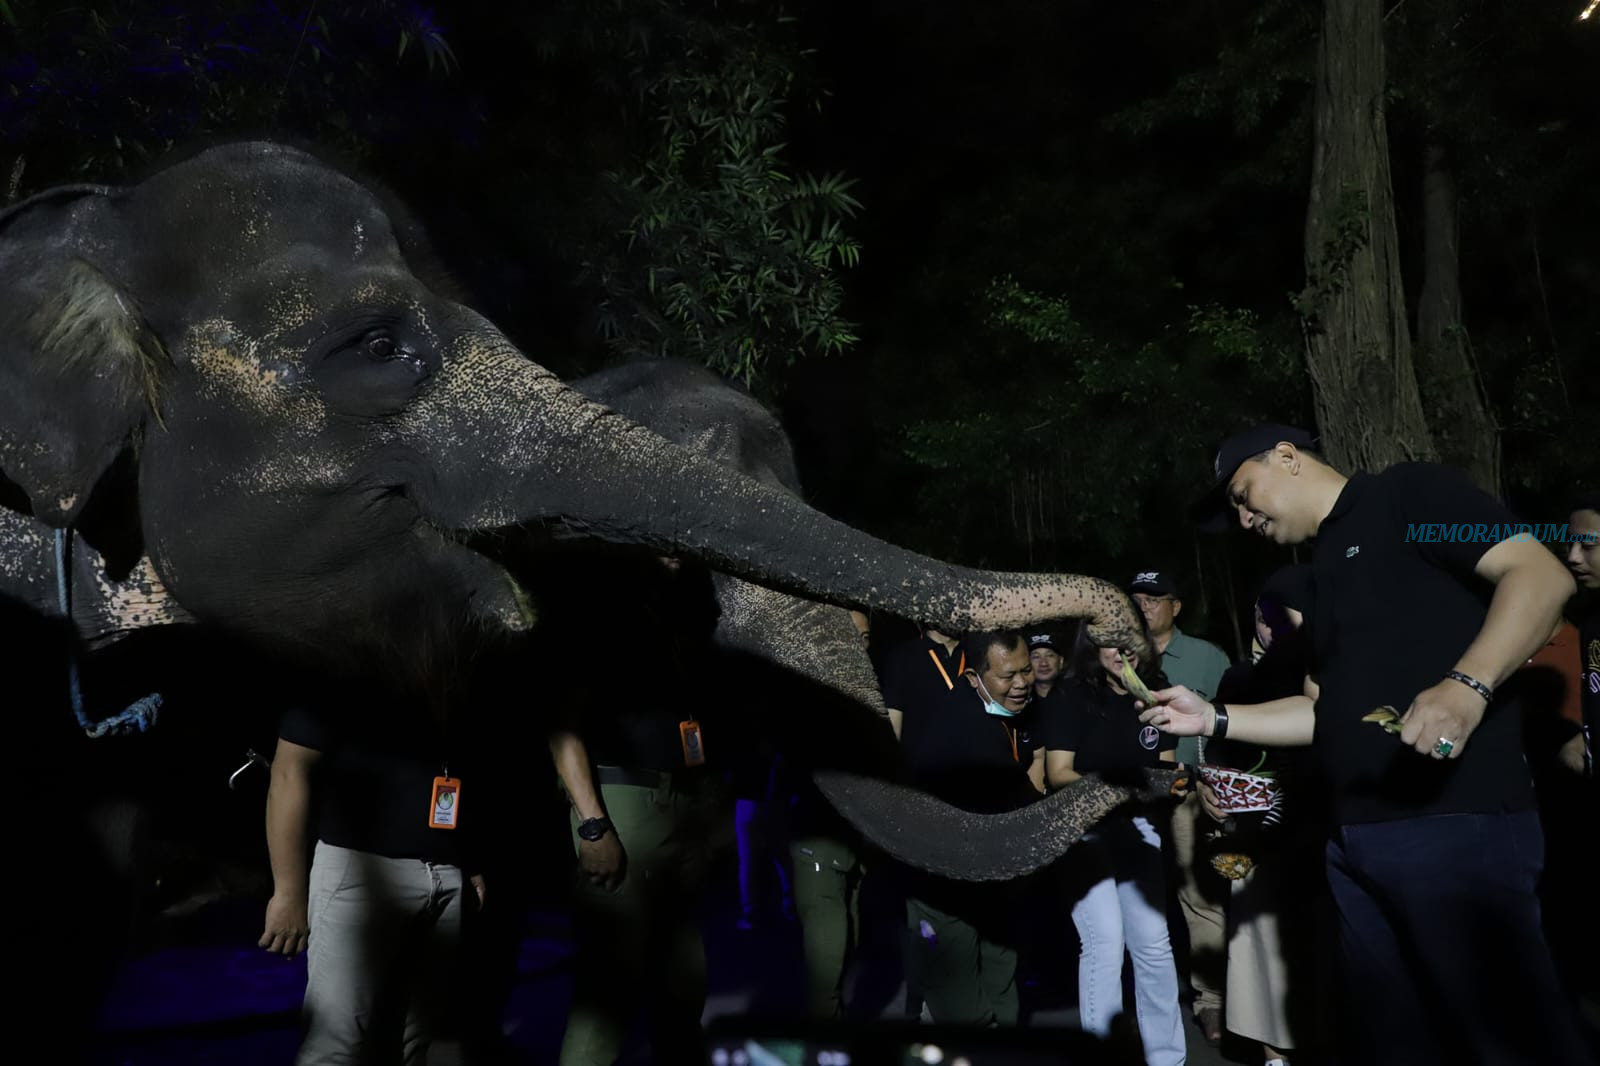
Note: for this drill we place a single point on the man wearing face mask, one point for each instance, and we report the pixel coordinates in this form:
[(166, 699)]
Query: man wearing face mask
[(968, 750)]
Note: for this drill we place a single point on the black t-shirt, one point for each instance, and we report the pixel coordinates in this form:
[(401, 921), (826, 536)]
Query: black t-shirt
[(372, 790), (1393, 612), (1280, 672), (1589, 664), (956, 750), (1102, 730), (643, 733)]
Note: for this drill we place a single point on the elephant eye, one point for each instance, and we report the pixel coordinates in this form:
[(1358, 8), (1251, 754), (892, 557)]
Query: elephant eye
[(380, 346)]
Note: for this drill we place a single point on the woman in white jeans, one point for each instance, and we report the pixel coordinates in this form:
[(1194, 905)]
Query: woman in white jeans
[(1093, 727)]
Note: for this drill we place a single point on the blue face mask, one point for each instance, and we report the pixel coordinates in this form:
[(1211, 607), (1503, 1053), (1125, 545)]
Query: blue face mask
[(993, 706)]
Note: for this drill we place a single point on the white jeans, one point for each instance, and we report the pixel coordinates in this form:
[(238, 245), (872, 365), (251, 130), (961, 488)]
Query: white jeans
[(1124, 909), (381, 960)]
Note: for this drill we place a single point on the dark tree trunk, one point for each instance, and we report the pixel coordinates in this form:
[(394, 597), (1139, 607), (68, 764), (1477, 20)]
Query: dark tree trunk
[(1358, 344), (1456, 407)]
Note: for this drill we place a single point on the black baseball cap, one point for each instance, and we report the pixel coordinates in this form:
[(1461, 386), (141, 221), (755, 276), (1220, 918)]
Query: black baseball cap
[(1154, 582), (1042, 640), (1211, 512)]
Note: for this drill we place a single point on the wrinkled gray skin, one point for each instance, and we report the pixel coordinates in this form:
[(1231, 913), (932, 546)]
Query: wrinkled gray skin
[(233, 382), (818, 642)]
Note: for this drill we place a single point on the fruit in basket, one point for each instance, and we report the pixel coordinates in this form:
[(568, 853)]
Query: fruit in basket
[(1232, 865)]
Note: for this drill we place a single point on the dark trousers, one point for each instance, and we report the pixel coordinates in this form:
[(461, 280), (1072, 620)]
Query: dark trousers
[(1445, 957)]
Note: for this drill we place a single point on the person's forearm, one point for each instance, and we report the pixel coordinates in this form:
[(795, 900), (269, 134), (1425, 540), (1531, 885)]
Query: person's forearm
[(1286, 723), (288, 826), (572, 765), (1526, 606)]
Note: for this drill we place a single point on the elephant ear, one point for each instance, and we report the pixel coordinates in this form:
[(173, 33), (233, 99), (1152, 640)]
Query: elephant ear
[(80, 368)]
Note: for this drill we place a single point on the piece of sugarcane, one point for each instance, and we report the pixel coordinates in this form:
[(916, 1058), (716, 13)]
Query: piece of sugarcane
[(1385, 716)]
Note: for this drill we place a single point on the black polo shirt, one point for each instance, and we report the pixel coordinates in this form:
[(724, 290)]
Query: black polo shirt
[(1102, 730), (974, 760), (1391, 616)]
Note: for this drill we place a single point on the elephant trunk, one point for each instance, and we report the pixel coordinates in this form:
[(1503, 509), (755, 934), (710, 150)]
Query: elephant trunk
[(929, 834), (516, 446), (814, 641)]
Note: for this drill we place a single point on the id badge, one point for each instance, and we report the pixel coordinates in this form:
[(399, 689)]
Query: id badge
[(694, 752), (445, 809)]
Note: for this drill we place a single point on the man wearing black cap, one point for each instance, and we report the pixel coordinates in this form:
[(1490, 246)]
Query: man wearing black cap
[(1188, 661), (1437, 849), (1047, 661)]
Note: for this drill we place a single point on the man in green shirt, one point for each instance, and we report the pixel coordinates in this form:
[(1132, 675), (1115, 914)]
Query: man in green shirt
[(1188, 661), (1199, 665)]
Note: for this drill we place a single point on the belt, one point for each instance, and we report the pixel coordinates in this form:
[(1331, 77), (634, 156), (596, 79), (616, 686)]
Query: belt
[(621, 775)]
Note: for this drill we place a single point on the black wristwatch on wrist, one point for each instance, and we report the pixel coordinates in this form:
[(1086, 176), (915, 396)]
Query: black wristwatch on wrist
[(592, 829), (1219, 725)]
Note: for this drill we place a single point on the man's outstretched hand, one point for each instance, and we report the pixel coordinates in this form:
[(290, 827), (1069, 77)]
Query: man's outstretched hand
[(1178, 711)]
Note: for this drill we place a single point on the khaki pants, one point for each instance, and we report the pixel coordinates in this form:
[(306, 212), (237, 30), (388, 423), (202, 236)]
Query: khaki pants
[(1202, 896), (827, 900), (640, 946), (381, 958)]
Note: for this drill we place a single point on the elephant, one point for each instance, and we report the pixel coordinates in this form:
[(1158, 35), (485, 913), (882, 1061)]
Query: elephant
[(233, 394)]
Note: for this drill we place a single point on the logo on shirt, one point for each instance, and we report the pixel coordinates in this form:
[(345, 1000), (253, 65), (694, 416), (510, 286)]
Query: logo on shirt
[(1149, 737), (1352, 551)]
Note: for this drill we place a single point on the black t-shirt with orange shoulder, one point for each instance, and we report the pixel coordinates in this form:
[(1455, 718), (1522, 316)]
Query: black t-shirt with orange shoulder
[(956, 750)]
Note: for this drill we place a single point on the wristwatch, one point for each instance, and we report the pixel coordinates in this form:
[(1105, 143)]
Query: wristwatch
[(592, 829)]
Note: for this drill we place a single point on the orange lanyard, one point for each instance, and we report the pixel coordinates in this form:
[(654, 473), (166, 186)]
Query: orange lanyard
[(945, 673), (1011, 734)]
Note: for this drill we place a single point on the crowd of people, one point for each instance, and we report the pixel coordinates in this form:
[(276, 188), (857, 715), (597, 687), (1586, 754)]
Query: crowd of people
[(1377, 859)]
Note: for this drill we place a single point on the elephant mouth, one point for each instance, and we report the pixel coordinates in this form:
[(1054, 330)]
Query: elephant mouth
[(498, 601)]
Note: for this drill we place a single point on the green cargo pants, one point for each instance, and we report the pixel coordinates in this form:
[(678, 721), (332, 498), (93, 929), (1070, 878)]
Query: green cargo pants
[(965, 977), (640, 946), (827, 900)]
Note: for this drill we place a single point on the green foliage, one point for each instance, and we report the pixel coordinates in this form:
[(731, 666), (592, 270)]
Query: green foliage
[(716, 250), (1257, 72), (1084, 434)]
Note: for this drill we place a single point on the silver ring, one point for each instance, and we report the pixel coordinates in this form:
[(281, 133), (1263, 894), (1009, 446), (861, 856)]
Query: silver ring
[(1443, 747)]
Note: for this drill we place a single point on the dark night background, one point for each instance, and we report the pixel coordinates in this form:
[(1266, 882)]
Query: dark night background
[(1008, 270)]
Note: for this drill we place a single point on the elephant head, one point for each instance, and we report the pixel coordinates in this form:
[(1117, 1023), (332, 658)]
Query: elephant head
[(233, 380)]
